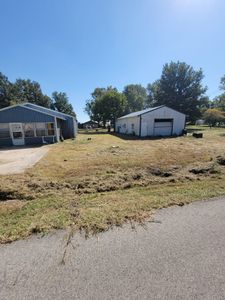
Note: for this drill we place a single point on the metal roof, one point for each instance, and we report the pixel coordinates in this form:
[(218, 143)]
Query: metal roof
[(141, 112), (51, 112), (40, 109)]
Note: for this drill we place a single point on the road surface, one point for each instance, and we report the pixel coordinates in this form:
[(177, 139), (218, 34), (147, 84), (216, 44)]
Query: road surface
[(179, 256)]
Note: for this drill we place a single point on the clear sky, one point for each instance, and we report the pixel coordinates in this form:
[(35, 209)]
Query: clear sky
[(76, 45)]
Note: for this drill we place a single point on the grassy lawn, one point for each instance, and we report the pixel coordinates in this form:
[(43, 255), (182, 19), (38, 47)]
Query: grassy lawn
[(100, 180)]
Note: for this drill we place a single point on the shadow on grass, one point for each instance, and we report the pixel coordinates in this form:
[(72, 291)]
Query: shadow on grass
[(190, 130), (133, 137), (93, 132)]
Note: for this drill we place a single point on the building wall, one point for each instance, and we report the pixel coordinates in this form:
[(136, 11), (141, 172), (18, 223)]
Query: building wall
[(22, 115), (19, 114), (162, 113), (124, 126), (6, 142), (69, 127)]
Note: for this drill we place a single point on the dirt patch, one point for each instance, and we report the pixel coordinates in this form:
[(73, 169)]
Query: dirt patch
[(6, 195), (204, 170), (221, 160)]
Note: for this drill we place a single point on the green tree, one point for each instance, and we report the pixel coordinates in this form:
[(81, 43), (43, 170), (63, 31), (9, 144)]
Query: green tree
[(95, 108), (5, 91), (61, 103), (152, 91), (106, 105), (112, 105), (222, 83), (29, 91), (219, 102), (213, 116), (136, 96), (180, 87)]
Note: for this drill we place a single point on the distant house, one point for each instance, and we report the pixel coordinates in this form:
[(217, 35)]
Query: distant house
[(29, 124), (155, 121), (89, 125), (200, 122)]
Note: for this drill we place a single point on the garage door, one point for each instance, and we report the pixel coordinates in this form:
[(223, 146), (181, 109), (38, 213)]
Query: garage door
[(163, 127)]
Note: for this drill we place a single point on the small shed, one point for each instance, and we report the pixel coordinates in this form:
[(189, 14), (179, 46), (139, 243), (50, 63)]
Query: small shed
[(155, 121), (30, 124)]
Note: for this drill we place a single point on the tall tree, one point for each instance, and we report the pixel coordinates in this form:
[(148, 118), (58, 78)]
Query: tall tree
[(151, 92), (180, 87), (5, 91), (112, 105), (61, 103), (213, 116), (94, 107), (222, 83), (136, 96), (219, 102), (29, 91), (105, 105)]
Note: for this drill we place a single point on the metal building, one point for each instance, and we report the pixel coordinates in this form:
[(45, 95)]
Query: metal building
[(30, 124), (155, 121)]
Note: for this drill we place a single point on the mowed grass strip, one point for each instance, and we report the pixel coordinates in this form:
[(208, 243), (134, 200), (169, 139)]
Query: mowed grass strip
[(79, 185)]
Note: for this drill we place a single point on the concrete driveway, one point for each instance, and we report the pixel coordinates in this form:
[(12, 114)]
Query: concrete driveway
[(180, 256), (17, 160)]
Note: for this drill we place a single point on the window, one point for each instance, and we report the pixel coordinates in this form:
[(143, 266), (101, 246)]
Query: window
[(40, 129), (132, 126), (17, 135), (4, 130), (29, 129), (50, 128)]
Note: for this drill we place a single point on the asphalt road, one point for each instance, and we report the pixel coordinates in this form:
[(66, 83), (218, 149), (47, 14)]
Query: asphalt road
[(180, 256)]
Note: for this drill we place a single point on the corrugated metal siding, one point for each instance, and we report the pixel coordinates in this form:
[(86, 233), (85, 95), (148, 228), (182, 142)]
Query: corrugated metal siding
[(162, 113), (20, 114), (6, 142), (148, 120), (39, 141), (126, 125), (68, 127)]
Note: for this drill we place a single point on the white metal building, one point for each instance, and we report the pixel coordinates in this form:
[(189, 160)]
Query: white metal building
[(155, 121)]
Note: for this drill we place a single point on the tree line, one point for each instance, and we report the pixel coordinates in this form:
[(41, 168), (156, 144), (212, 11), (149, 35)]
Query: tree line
[(26, 90), (179, 87)]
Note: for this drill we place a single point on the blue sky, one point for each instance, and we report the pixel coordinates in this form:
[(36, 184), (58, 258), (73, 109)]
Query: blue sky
[(76, 45)]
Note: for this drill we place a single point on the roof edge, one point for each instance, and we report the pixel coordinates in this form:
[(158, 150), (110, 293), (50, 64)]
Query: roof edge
[(29, 108), (49, 109)]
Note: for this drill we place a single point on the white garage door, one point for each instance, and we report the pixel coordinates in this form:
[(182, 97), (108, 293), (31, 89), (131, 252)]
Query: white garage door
[(163, 127)]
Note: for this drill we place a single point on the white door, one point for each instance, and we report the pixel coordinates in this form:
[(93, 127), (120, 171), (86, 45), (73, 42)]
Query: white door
[(17, 134), (163, 127)]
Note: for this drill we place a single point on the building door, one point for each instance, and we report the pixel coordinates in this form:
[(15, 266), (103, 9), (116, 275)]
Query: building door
[(163, 127), (17, 134)]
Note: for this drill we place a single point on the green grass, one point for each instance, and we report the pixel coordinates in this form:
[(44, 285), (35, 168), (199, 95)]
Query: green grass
[(95, 184)]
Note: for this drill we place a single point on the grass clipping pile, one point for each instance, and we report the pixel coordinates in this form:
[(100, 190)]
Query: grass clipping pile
[(115, 186)]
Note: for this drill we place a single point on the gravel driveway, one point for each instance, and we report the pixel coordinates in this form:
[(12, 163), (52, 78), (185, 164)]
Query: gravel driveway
[(17, 160)]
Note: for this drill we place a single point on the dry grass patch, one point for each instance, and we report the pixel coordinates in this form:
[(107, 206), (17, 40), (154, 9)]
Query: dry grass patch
[(101, 180)]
